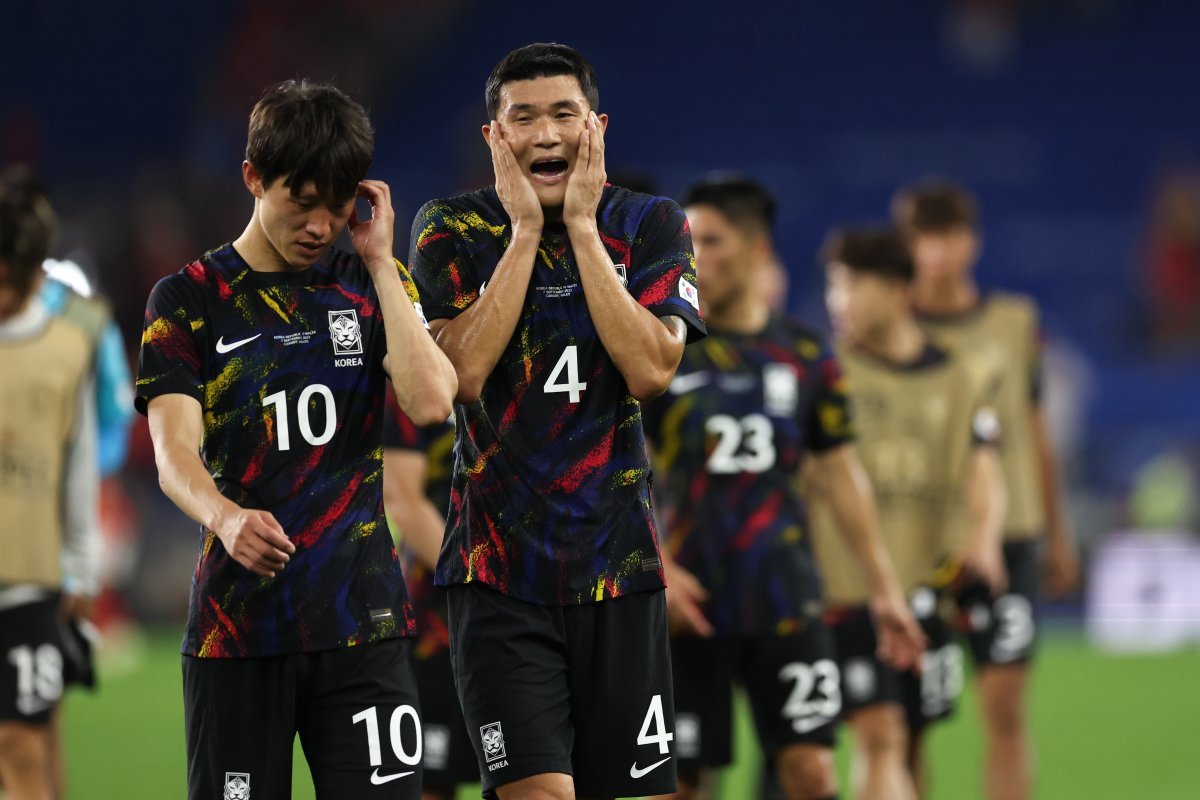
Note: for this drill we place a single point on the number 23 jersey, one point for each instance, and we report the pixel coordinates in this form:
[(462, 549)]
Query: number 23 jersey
[(729, 438), (288, 370), (550, 500)]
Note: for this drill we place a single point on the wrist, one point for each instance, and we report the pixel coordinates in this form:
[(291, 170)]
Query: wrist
[(379, 267), (580, 225), (527, 230)]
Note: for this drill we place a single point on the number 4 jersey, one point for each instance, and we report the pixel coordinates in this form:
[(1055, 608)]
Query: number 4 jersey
[(288, 371), (551, 497), (729, 437)]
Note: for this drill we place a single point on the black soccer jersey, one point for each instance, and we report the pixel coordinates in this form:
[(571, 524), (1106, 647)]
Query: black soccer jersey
[(551, 498), (288, 370), (729, 438)]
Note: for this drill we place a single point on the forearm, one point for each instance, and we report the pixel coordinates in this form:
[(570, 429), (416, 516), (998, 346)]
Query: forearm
[(187, 483), (422, 377), (475, 340), (422, 528), (642, 348), (81, 533), (987, 500)]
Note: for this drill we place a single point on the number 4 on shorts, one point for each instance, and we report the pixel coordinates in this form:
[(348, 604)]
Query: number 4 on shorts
[(660, 736)]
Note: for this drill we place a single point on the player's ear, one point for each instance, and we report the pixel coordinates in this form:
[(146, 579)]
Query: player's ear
[(603, 120), (486, 130), (252, 179)]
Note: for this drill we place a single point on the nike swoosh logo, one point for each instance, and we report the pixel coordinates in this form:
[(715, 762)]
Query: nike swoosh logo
[(809, 724), (682, 384), (636, 773), (379, 780), (225, 348)]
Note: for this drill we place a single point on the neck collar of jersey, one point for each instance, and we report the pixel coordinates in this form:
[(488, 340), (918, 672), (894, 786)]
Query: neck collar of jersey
[(260, 278), (26, 324)]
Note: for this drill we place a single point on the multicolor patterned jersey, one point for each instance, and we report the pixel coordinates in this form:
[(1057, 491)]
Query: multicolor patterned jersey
[(436, 444), (287, 368), (551, 490), (1003, 329), (729, 439), (918, 425)]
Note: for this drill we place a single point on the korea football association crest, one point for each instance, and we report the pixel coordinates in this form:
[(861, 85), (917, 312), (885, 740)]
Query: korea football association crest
[(346, 333), (493, 746), (622, 274), (237, 786)]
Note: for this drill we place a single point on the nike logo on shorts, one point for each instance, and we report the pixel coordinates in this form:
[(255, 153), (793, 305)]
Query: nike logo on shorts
[(810, 724), (379, 780), (225, 348), (635, 772)]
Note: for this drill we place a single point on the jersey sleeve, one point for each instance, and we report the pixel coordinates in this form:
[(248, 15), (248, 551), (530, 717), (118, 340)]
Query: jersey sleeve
[(439, 264), (663, 279), (829, 422), (114, 411), (81, 482), (170, 359)]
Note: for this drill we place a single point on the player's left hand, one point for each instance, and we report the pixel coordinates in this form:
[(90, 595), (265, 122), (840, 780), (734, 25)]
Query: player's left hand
[(987, 564), (372, 238), (1061, 567), (77, 606), (901, 640), (585, 186)]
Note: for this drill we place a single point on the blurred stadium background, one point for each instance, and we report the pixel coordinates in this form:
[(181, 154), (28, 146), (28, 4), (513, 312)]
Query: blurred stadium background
[(1075, 121)]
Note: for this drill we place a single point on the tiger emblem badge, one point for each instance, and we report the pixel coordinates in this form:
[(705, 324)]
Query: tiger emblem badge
[(346, 333)]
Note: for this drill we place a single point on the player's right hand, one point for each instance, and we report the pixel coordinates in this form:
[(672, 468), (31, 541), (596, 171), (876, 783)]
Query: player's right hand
[(685, 595), (516, 192), (901, 640), (255, 539)]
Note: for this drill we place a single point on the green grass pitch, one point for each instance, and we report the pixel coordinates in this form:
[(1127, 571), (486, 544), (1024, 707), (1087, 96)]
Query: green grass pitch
[(1106, 727)]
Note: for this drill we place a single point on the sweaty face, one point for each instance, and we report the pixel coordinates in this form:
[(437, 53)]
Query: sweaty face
[(726, 258), (301, 227), (945, 256), (859, 303), (543, 120)]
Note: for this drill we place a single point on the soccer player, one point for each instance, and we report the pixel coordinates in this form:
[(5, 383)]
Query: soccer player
[(48, 491), (563, 302), (926, 434), (263, 372), (749, 405), (941, 222), (417, 464)]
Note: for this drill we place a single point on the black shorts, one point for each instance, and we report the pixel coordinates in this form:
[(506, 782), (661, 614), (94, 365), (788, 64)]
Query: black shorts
[(582, 690), (1003, 630), (31, 661), (355, 709), (449, 757), (866, 681), (792, 682)]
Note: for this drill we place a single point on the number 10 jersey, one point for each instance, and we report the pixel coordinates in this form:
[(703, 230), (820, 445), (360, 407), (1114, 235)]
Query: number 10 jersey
[(288, 371), (551, 499)]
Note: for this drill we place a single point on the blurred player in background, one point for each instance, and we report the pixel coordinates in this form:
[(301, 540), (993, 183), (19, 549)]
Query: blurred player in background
[(926, 434), (941, 223), (563, 302), (264, 370), (748, 407), (417, 465), (66, 292), (48, 490)]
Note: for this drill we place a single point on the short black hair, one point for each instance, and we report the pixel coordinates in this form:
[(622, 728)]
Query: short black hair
[(302, 131), (874, 250), (935, 206), (541, 60), (27, 227), (744, 201)]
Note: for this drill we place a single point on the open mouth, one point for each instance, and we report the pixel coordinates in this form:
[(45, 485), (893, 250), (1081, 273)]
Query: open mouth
[(549, 170)]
